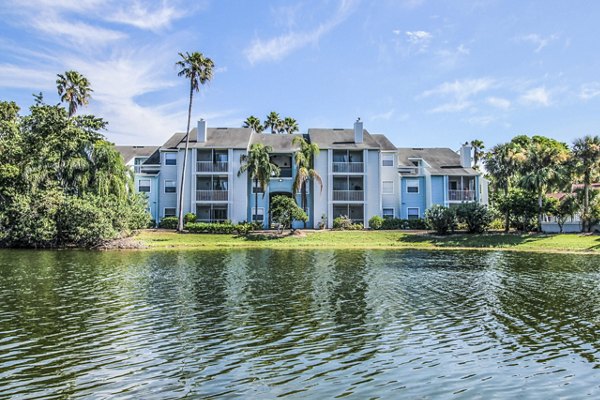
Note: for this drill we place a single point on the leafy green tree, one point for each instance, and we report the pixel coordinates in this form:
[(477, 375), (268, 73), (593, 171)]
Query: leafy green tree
[(199, 70), (441, 219), (273, 122), (544, 168), (73, 89), (586, 165), (304, 158), (254, 123), (290, 125), (285, 211), (476, 216), (478, 152), (562, 209), (260, 169)]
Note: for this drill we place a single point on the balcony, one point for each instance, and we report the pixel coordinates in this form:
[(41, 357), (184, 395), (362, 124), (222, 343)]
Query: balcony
[(348, 195), (348, 167), (212, 167), (461, 195), (212, 195), (146, 168)]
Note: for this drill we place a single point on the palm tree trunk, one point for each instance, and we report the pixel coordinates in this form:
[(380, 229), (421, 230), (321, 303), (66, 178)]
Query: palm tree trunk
[(185, 155), (304, 199), (586, 226), (540, 211), (256, 198), (507, 214)]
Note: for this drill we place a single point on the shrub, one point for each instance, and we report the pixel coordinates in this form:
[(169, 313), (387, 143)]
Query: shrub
[(342, 222), (189, 217), (475, 216), (441, 219), (81, 222), (397, 223), (244, 228), (376, 222), (168, 223), (285, 211), (205, 227)]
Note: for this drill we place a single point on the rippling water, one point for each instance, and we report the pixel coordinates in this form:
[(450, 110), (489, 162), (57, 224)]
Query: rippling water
[(299, 324)]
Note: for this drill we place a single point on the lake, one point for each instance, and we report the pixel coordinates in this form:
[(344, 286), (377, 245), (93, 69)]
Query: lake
[(298, 324)]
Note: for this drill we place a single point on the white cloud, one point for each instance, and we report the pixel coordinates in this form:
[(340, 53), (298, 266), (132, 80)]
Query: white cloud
[(13, 76), (277, 48), (461, 89), (79, 33), (383, 116), (589, 90), (419, 39), (450, 57), (536, 96), (482, 120), (538, 41), (454, 106), (498, 102), (142, 17)]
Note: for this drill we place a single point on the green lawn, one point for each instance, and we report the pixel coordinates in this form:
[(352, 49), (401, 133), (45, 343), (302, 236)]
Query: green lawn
[(163, 239)]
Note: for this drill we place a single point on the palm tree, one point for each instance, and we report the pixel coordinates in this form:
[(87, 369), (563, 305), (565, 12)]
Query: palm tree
[(544, 169), (74, 89), (254, 123), (501, 164), (586, 163), (478, 152), (290, 125), (199, 70), (305, 172), (273, 122), (260, 169)]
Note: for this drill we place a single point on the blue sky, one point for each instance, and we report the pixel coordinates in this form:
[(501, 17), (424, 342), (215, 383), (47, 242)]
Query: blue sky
[(425, 73)]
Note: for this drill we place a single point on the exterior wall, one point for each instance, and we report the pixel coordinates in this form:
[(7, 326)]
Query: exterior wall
[(322, 198), (238, 187), (413, 199), (390, 200), (167, 200), (372, 185), (153, 203), (438, 190), (569, 227)]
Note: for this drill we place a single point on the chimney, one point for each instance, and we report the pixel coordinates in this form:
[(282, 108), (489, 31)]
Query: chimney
[(201, 134), (358, 131), (465, 156)]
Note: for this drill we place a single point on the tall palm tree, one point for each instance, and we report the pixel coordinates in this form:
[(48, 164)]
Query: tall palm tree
[(290, 125), (254, 123), (273, 122), (304, 158), (478, 152), (501, 164), (260, 169), (544, 169), (74, 89), (586, 163), (199, 70)]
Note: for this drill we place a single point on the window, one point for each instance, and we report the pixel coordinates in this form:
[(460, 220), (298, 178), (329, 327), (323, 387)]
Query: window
[(258, 214), (412, 186), (412, 212), (144, 186), (388, 213), (170, 186), (387, 160), (387, 187), (170, 158), (170, 212)]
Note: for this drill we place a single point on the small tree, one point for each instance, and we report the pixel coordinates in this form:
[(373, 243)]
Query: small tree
[(476, 216), (441, 219), (562, 209), (285, 211)]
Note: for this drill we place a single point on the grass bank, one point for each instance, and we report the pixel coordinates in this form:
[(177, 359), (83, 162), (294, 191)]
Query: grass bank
[(162, 239)]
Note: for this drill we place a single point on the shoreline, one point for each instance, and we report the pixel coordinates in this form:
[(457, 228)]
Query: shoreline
[(158, 239)]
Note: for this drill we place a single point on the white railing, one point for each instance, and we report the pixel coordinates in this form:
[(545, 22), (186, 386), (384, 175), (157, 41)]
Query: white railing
[(141, 168), (349, 167), (211, 195), (461, 195), (209, 166), (348, 195)]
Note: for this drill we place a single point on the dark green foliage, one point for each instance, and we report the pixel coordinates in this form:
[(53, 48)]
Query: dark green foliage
[(522, 207), (285, 211), (375, 222), (61, 183), (168, 223), (441, 219), (189, 217), (398, 223), (344, 223), (475, 216), (206, 227)]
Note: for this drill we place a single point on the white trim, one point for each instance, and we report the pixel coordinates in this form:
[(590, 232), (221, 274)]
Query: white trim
[(383, 187), (165, 212), (166, 153), (149, 185), (418, 185), (413, 208), (165, 186), (384, 159)]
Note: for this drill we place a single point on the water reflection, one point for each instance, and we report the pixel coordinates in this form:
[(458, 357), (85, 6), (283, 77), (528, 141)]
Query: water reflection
[(264, 323)]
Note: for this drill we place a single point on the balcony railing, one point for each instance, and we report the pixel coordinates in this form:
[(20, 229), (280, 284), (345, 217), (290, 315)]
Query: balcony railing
[(348, 167), (461, 195), (211, 195), (210, 166), (141, 168), (348, 195)]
